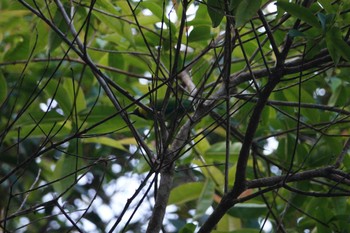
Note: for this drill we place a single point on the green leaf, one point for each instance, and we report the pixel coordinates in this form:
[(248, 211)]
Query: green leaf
[(3, 88), (292, 94), (116, 60), (75, 94), (107, 6), (227, 224), (340, 204), (122, 30), (339, 97), (186, 192), (59, 129), (295, 33), (216, 11), (35, 114), (248, 210), (200, 33), (327, 5), (154, 7), (54, 39), (64, 174), (188, 228), (325, 153), (334, 82), (201, 144), (336, 45), (300, 12), (20, 48), (217, 152), (246, 10), (67, 93), (11, 15), (313, 48), (234, 4), (119, 144), (333, 51), (326, 20), (101, 113), (206, 198), (211, 172)]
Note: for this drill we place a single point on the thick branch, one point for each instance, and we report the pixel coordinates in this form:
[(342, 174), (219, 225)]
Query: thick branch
[(306, 175), (166, 180), (240, 181), (251, 129), (296, 104), (158, 212)]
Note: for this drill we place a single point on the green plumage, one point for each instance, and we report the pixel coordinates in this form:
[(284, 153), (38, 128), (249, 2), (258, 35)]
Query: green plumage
[(173, 109)]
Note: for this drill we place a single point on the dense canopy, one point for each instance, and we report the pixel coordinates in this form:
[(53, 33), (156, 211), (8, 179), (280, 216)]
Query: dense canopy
[(245, 124)]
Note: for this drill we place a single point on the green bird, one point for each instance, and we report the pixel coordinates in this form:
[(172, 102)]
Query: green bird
[(174, 109)]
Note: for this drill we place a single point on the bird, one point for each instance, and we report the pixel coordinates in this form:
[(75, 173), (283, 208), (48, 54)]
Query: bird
[(174, 109)]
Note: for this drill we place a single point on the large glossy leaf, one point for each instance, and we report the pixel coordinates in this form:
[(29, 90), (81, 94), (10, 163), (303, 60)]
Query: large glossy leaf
[(200, 33), (33, 130), (107, 6), (103, 119), (55, 39), (327, 5), (201, 144), (65, 174), (119, 144), (216, 11), (228, 224), (116, 60), (217, 152), (67, 93), (186, 192), (20, 48), (212, 172), (246, 10), (326, 20), (336, 45), (155, 8), (300, 12), (205, 199), (248, 210)]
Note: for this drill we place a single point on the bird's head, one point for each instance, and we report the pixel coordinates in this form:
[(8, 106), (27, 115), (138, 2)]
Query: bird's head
[(140, 113)]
